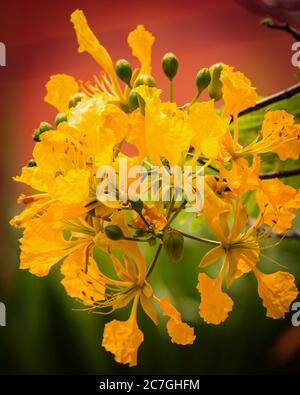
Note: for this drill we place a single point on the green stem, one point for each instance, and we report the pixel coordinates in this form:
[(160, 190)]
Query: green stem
[(195, 98), (171, 90), (133, 239), (144, 219), (171, 205), (177, 212), (202, 239), (151, 267)]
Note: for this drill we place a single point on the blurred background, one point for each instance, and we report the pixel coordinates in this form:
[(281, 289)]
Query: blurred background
[(44, 334)]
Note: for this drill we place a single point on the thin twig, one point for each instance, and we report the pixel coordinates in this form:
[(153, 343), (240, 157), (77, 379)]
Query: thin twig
[(267, 101), (279, 174), (268, 22), (273, 174), (156, 255)]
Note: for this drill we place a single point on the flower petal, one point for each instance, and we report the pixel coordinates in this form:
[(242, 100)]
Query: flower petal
[(60, 88), (180, 332), (140, 41), (238, 94), (215, 305), (42, 246), (123, 339), (73, 187), (212, 256), (88, 286), (277, 291)]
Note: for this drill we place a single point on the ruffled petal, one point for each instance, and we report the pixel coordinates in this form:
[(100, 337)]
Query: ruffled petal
[(140, 41), (60, 88), (123, 339), (215, 305), (277, 291), (180, 332)]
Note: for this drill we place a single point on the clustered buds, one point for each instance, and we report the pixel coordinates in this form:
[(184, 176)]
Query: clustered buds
[(60, 117), (44, 127), (75, 99)]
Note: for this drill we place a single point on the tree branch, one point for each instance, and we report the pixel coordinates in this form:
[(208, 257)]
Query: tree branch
[(279, 174), (267, 101), (268, 22)]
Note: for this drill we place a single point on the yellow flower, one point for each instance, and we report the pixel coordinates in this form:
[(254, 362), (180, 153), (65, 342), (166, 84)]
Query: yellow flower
[(60, 88), (152, 216), (279, 134), (140, 41), (208, 129), (165, 123), (238, 94), (240, 250), (278, 126), (279, 202), (88, 42), (123, 338)]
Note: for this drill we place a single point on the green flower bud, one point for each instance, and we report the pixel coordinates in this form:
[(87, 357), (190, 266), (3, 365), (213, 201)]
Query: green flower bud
[(268, 21), (75, 99), (113, 232), (137, 205), (31, 163), (36, 135), (215, 86), (124, 70), (203, 79), (173, 242), (44, 127), (145, 79), (60, 117), (170, 65), (133, 102)]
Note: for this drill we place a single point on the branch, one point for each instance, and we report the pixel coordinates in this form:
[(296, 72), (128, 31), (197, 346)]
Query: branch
[(291, 234), (279, 174), (267, 101), (273, 174), (268, 22)]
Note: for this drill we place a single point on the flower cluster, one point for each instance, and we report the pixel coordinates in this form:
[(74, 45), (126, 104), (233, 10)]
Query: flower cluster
[(121, 115)]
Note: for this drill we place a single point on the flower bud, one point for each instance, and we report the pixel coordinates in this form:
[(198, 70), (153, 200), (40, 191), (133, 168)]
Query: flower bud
[(173, 242), (114, 232), (133, 102), (215, 86), (31, 163), (267, 22), (75, 99), (124, 70), (60, 117), (44, 127), (170, 65), (145, 79), (203, 79)]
